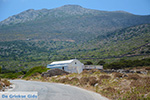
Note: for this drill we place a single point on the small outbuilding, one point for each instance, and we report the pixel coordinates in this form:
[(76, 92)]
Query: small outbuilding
[(71, 66)]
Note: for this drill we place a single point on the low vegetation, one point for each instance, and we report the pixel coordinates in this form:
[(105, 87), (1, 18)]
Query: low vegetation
[(3, 84), (129, 43), (35, 71), (8, 74), (128, 64), (114, 86)]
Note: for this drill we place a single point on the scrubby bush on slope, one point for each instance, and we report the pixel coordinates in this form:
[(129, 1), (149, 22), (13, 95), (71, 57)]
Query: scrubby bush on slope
[(34, 70)]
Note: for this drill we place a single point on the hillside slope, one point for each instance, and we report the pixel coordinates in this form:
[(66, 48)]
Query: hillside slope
[(131, 41), (124, 42)]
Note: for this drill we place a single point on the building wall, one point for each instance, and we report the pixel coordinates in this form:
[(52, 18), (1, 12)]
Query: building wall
[(75, 67), (93, 67)]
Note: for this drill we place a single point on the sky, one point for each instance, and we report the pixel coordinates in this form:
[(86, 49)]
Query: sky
[(13, 7)]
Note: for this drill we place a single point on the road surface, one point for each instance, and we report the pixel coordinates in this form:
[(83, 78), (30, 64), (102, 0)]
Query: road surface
[(55, 91)]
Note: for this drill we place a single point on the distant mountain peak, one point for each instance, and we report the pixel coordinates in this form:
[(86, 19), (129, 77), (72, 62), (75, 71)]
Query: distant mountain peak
[(29, 10), (71, 6), (74, 9), (121, 11), (102, 17)]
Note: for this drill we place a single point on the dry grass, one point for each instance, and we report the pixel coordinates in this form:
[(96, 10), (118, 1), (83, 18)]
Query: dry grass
[(114, 86), (85, 72), (1, 85), (92, 81), (64, 80), (75, 79), (133, 76), (147, 68), (117, 75), (104, 77), (6, 82), (84, 80), (109, 91)]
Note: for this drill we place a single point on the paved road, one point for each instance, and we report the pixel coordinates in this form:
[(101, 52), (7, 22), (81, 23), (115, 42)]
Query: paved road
[(54, 91)]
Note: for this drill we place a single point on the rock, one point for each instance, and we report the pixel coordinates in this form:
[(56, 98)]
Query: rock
[(143, 72), (127, 71), (139, 72), (124, 75), (96, 85), (54, 72)]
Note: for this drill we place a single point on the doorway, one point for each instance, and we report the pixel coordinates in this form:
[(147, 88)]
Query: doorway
[(63, 68)]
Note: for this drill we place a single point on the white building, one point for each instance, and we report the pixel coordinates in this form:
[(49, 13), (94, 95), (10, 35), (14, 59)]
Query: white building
[(72, 66)]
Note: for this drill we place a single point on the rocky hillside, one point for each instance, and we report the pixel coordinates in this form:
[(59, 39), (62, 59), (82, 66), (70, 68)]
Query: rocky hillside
[(131, 41), (68, 22), (123, 43)]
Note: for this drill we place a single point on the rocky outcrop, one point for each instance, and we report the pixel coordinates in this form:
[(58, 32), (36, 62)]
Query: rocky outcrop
[(54, 72)]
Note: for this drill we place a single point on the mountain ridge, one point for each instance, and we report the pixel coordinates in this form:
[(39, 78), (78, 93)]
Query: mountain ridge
[(69, 22), (70, 8)]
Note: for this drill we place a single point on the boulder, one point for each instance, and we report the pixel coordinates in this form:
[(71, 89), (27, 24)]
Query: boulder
[(54, 72)]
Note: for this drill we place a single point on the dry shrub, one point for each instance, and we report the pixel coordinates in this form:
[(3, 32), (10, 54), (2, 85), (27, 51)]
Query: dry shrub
[(133, 77), (100, 82), (92, 81), (6, 82), (85, 72), (142, 85), (118, 75), (64, 80), (147, 68), (89, 71), (35, 74), (147, 82), (74, 80), (132, 96), (93, 71), (104, 77), (1, 87), (110, 89), (109, 92), (137, 83), (84, 80)]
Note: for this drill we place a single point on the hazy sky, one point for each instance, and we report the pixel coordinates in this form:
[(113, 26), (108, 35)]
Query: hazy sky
[(12, 7)]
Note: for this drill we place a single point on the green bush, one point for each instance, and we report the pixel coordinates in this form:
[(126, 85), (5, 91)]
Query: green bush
[(128, 63), (11, 75), (38, 69), (88, 63), (0, 69), (101, 62)]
